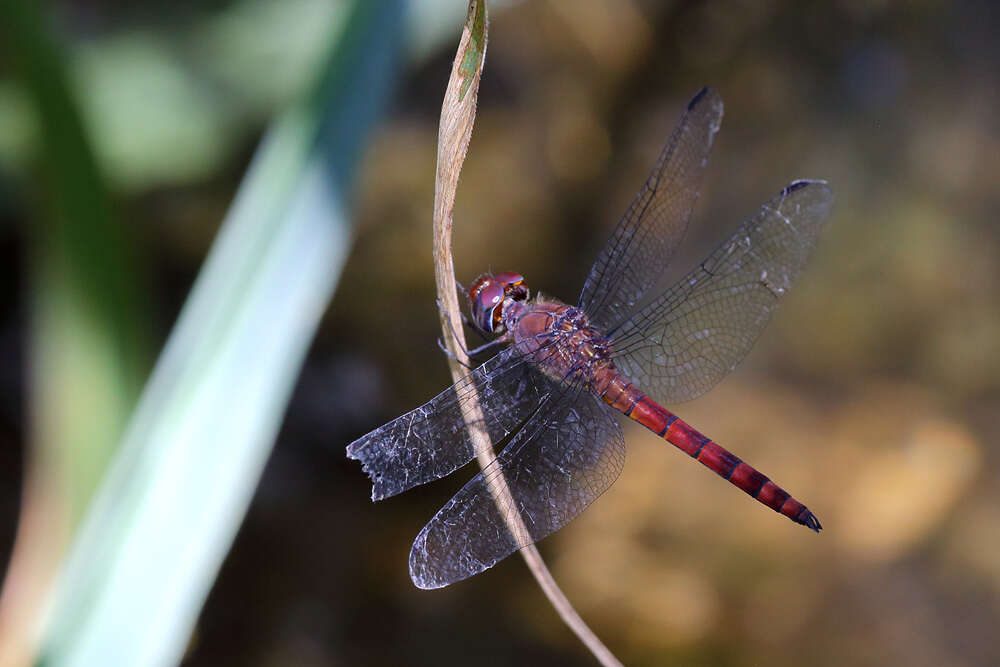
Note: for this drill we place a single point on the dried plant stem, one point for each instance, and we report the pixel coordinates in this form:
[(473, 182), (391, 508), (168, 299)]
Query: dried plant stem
[(457, 117)]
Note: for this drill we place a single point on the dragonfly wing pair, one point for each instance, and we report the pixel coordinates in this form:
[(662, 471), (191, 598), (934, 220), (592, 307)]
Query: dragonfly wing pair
[(568, 451), (690, 337), (564, 458)]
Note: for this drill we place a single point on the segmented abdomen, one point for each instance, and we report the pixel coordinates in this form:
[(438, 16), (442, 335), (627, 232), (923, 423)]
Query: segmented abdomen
[(625, 397)]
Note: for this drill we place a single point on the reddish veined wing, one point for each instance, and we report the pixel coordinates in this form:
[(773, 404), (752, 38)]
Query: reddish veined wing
[(566, 456), (646, 237), (680, 345)]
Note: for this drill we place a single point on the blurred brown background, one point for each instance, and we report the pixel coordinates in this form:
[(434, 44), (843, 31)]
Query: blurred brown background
[(874, 397)]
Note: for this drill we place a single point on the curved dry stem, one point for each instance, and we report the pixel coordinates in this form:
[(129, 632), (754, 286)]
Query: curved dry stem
[(457, 117)]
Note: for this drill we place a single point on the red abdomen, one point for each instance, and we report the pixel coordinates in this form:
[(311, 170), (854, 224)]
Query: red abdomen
[(624, 396)]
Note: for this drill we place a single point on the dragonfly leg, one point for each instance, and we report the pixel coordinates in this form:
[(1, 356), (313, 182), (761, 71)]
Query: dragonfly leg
[(444, 348), (476, 351), (469, 353), (465, 320), (454, 332), (471, 325)]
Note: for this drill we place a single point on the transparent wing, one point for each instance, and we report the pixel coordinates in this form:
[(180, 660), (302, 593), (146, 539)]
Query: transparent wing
[(433, 440), (680, 345), (570, 452), (645, 239)]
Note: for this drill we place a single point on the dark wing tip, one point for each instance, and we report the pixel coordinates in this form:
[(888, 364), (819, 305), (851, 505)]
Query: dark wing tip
[(809, 520), (814, 194), (706, 96), (699, 96), (804, 183)]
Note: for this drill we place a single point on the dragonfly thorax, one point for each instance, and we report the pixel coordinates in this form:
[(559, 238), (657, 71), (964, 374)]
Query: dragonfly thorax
[(560, 339), (489, 296)]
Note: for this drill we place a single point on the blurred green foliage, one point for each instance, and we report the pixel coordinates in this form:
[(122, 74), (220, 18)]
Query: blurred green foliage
[(90, 326)]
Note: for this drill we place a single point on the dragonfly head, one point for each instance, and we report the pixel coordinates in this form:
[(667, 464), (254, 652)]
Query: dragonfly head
[(488, 295)]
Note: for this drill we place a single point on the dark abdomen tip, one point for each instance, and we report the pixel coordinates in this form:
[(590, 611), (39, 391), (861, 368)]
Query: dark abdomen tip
[(809, 520)]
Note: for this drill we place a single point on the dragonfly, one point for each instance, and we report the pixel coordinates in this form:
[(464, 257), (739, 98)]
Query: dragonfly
[(550, 396)]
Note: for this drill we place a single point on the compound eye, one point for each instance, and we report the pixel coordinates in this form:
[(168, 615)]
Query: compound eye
[(508, 278), (478, 286), (486, 304)]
